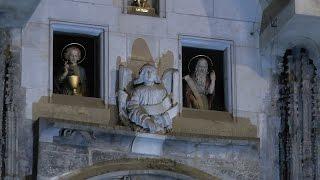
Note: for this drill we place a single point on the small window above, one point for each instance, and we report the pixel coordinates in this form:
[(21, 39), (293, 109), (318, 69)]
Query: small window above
[(154, 8)]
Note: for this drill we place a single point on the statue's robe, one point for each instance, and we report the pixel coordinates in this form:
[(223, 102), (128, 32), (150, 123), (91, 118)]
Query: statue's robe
[(197, 98), (62, 86), (150, 101)]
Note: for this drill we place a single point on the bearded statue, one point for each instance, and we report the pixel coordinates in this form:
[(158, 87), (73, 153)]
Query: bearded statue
[(200, 85)]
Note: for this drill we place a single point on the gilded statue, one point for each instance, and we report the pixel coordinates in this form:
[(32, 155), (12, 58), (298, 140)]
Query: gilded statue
[(200, 85), (141, 3), (71, 80), (150, 103)]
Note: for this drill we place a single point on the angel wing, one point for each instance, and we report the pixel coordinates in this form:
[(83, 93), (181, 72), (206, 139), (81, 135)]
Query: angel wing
[(170, 80), (125, 79)]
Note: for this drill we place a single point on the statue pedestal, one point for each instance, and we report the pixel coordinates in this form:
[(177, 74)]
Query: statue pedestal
[(149, 144), (141, 11)]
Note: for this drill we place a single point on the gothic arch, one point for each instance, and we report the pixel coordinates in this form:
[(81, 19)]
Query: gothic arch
[(307, 43), (141, 166)]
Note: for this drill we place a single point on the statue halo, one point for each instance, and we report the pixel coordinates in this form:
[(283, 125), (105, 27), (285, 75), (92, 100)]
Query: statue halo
[(80, 46), (195, 58)]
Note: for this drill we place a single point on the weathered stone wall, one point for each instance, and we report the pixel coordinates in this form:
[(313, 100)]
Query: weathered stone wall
[(16, 160), (298, 110), (15, 133), (82, 146), (3, 45), (286, 30)]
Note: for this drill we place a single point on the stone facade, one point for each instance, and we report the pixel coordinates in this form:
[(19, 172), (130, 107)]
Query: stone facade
[(25, 51), (202, 19), (88, 146)]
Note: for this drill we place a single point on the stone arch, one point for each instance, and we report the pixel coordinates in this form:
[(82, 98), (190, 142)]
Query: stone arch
[(141, 166), (306, 43)]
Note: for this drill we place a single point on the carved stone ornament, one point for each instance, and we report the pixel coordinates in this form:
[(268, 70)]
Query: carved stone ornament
[(148, 103)]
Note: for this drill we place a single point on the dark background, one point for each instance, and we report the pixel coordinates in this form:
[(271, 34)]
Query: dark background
[(90, 64), (217, 57)]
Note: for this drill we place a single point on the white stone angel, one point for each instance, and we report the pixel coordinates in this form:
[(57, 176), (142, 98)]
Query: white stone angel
[(148, 102)]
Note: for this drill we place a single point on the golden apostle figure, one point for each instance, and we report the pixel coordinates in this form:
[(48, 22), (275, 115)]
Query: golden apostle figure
[(141, 3), (72, 78)]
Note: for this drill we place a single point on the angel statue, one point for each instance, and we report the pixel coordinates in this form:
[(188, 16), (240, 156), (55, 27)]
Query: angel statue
[(148, 102)]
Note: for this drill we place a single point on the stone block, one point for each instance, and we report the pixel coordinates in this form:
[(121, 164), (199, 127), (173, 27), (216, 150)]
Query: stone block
[(148, 144), (237, 31), (16, 36), (307, 7), (170, 5), (222, 157), (249, 96), (144, 25), (76, 113), (100, 156), (194, 7), (35, 68), (53, 163), (213, 123), (227, 160), (244, 10), (249, 57), (36, 35), (25, 146), (169, 52), (97, 2), (83, 12), (252, 116), (33, 95), (117, 54), (120, 143), (41, 13), (77, 11), (179, 149)]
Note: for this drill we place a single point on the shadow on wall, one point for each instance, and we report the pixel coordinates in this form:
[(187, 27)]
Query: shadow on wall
[(141, 55)]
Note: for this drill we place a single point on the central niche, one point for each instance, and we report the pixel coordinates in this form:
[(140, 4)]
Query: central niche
[(143, 7), (203, 79), (76, 64)]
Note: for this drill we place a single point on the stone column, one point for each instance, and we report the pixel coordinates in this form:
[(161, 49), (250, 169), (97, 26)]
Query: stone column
[(12, 102), (299, 112)]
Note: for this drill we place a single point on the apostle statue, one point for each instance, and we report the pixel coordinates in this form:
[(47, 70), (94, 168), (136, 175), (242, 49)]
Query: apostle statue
[(141, 3), (200, 85), (71, 80), (152, 103)]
